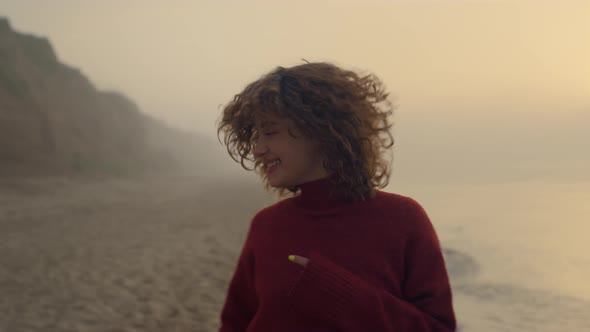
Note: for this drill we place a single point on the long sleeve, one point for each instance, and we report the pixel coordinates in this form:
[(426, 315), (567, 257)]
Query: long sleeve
[(241, 301), (333, 294)]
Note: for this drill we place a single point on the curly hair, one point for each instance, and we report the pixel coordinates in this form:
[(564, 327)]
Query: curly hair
[(347, 114)]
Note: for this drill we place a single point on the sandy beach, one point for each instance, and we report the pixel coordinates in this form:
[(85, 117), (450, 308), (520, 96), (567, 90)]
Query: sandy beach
[(156, 254), (143, 254)]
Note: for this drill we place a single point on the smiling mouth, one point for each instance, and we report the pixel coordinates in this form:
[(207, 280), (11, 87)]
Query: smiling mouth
[(270, 167)]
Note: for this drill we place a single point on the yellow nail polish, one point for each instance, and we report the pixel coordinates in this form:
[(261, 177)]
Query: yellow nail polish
[(292, 258)]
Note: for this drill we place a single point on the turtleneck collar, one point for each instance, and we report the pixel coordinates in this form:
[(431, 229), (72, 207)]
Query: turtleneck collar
[(317, 195)]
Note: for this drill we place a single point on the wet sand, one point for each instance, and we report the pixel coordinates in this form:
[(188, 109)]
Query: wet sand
[(120, 254)]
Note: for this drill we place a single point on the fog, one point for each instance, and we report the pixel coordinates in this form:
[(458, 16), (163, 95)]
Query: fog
[(478, 82), (486, 91), (181, 60)]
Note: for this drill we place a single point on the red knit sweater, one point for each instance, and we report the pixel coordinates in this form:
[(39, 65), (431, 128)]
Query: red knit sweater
[(374, 266)]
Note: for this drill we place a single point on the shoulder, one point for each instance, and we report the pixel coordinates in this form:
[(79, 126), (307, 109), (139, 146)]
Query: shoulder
[(408, 212), (397, 202)]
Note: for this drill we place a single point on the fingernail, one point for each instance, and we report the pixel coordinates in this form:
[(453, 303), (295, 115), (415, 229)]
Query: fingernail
[(292, 258)]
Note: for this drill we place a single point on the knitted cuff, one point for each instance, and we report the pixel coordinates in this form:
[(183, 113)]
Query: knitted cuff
[(329, 292)]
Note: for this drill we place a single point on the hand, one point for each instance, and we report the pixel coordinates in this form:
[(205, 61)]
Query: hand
[(299, 260)]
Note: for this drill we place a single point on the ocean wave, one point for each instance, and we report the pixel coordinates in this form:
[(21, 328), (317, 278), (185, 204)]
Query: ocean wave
[(460, 266)]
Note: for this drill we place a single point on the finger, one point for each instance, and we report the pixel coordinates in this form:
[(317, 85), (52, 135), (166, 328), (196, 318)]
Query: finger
[(299, 260)]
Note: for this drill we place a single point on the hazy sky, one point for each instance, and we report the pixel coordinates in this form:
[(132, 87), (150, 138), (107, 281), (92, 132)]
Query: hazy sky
[(461, 70)]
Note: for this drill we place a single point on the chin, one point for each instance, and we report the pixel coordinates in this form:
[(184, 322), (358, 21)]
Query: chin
[(278, 184)]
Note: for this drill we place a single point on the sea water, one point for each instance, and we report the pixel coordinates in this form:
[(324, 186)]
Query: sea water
[(518, 253)]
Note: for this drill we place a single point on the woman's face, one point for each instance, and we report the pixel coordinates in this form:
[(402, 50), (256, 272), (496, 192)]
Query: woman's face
[(288, 158)]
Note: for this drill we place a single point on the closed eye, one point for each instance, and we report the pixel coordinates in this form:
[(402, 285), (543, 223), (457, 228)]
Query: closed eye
[(270, 133)]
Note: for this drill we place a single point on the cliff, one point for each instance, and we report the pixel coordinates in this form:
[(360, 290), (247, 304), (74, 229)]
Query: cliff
[(54, 120)]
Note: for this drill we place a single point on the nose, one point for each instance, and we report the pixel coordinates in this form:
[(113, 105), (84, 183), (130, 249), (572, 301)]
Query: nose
[(259, 149)]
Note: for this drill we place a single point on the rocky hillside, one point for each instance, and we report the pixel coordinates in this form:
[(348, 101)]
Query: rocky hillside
[(54, 120)]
